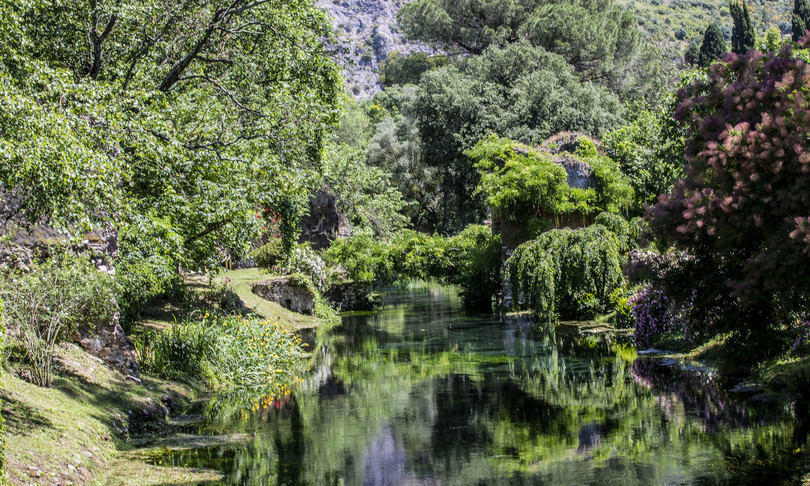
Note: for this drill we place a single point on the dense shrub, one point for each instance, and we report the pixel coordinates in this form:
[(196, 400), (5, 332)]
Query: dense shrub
[(225, 353), (479, 255), (742, 208), (48, 304), (269, 255), (556, 274), (521, 182), (470, 259)]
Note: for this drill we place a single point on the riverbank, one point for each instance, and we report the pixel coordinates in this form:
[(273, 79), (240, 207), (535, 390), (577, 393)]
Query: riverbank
[(83, 429)]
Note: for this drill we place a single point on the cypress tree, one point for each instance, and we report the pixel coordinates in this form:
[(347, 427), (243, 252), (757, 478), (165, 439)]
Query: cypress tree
[(743, 37), (713, 47), (800, 21)]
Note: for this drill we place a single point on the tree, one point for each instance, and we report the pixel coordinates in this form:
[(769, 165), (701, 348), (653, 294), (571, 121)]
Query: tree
[(713, 47), (691, 55), (743, 37), (172, 121), (601, 40), (519, 91), (399, 70), (800, 19), (741, 210)]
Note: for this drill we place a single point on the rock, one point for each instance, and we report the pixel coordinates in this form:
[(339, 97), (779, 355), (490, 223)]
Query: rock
[(109, 343), (351, 296), (366, 32), (286, 292), (324, 222)]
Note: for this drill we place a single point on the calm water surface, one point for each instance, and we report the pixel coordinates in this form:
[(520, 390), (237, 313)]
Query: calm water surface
[(419, 393)]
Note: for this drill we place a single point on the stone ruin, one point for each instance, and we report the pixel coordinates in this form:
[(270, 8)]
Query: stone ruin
[(287, 293), (324, 222), (25, 244)]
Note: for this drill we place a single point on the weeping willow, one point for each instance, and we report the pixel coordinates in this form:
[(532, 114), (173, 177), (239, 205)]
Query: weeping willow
[(565, 269)]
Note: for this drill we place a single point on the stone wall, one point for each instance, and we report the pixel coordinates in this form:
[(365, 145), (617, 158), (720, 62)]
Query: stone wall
[(287, 293)]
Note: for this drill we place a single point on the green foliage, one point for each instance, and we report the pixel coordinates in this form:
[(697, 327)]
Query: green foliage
[(691, 55), (47, 305), (743, 37), (521, 182), (228, 354), (167, 121), (364, 192), (269, 255), (396, 148), (800, 20), (599, 39), (399, 70), (623, 317), (518, 180), (470, 259), (562, 272), (713, 47), (479, 276), (773, 40), (520, 92), (649, 150), (363, 257)]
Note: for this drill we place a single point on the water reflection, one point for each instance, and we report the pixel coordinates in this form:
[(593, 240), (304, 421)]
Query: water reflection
[(419, 393)]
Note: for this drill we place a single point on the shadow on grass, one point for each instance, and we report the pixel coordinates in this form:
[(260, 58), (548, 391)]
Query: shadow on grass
[(22, 419)]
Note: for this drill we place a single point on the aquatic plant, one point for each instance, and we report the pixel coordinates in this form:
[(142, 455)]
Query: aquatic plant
[(225, 353)]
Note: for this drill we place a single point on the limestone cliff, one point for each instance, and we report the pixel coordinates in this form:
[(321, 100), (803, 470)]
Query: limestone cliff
[(366, 31)]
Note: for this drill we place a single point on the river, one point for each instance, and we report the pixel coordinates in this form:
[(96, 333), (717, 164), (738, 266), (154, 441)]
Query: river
[(419, 393)]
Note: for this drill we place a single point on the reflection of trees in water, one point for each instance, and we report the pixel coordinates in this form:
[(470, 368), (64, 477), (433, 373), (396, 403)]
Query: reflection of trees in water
[(386, 405), (700, 393)]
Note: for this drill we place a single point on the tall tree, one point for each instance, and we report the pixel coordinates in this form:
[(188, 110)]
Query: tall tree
[(601, 40), (741, 210), (800, 20), (519, 91), (171, 120), (714, 45), (743, 37)]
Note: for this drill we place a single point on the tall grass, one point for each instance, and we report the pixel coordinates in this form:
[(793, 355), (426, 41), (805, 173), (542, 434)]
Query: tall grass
[(229, 353)]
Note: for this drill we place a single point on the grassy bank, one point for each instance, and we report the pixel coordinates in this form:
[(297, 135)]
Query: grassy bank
[(75, 431), (81, 429)]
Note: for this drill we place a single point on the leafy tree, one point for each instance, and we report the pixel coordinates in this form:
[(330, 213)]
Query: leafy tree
[(169, 120), (649, 151), (743, 37), (399, 70), (800, 19), (566, 273), (363, 192), (521, 182), (713, 47), (741, 208), (773, 40), (601, 40), (520, 92), (691, 55)]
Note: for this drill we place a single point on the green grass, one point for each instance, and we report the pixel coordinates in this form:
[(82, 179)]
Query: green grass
[(162, 316), (68, 433)]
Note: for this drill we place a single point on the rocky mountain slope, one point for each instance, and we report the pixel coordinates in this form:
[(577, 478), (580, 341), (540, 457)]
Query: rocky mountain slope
[(366, 31)]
